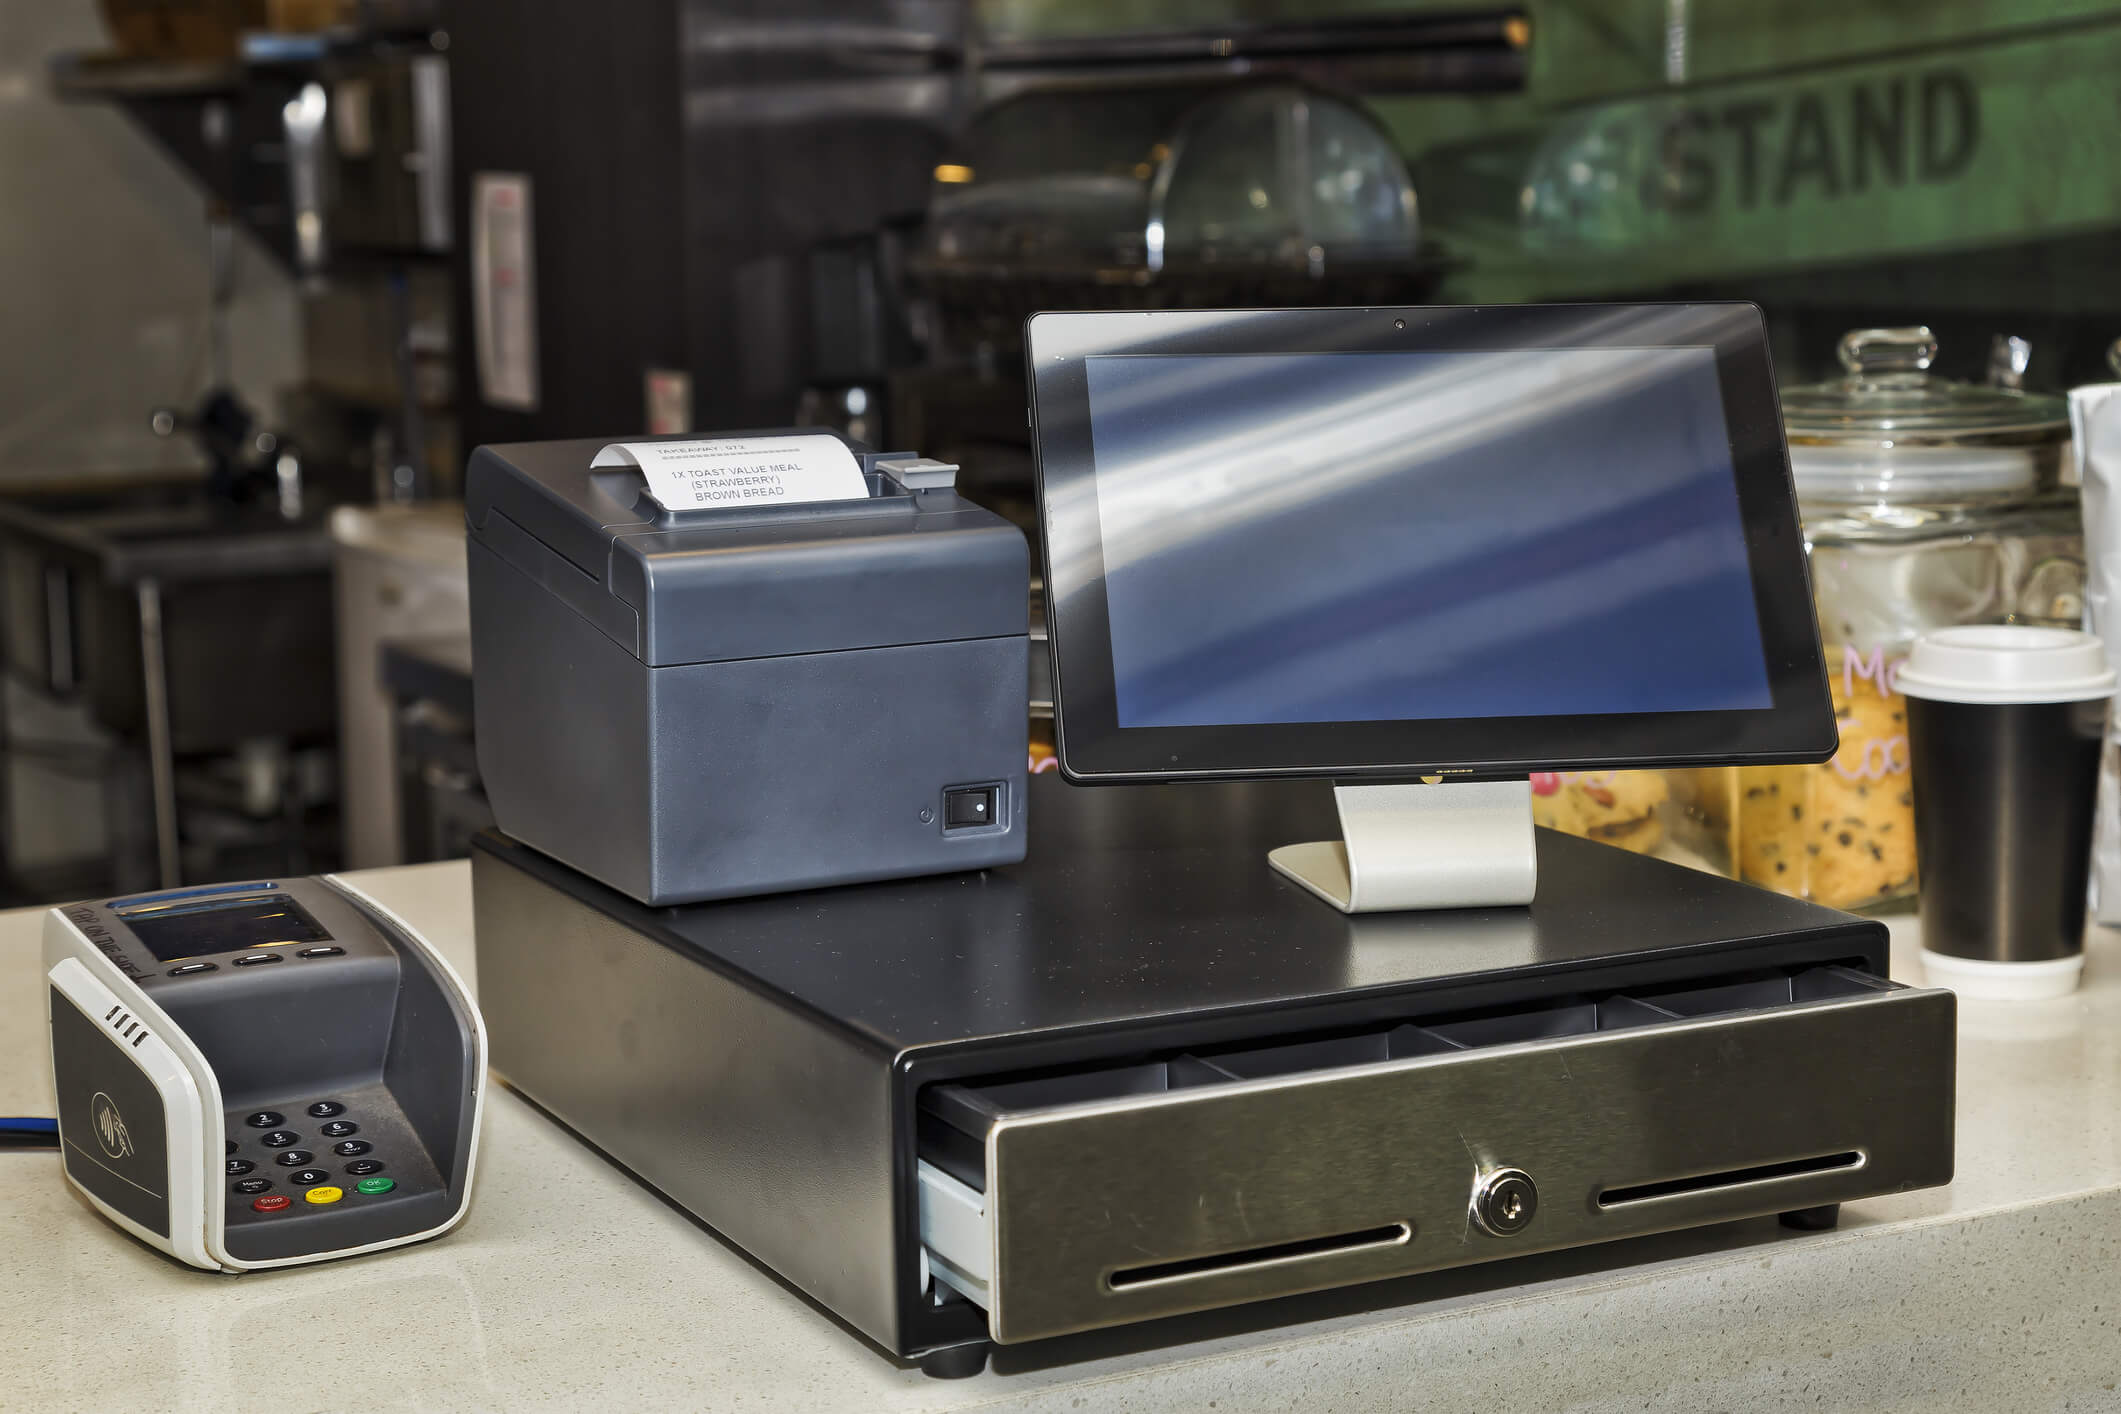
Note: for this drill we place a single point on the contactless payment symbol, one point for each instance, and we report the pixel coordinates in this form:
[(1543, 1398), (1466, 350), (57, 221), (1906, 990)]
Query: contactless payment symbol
[(111, 1132)]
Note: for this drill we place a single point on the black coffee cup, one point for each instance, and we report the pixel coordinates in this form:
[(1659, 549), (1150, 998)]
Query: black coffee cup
[(2004, 731)]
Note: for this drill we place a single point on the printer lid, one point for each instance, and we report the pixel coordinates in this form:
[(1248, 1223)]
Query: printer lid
[(903, 566)]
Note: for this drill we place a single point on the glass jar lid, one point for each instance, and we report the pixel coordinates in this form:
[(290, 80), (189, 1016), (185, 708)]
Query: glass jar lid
[(1889, 398)]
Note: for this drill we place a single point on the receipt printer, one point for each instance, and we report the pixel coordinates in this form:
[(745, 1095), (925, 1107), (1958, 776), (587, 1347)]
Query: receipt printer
[(743, 698), (261, 1074)]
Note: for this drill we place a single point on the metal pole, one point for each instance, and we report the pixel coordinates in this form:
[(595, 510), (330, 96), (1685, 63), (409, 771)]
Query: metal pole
[(161, 757), (408, 479)]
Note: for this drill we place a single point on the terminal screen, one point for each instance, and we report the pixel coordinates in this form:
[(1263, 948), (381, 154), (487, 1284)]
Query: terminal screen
[(1342, 537), (234, 926)]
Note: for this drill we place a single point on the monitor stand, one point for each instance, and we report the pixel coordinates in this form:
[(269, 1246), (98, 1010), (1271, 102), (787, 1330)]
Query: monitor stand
[(1455, 844)]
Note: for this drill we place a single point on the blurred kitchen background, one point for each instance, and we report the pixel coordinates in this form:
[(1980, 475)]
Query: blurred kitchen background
[(271, 267)]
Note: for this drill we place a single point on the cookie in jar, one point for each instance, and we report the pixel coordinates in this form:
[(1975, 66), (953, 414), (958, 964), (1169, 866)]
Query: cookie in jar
[(1621, 808), (1842, 833)]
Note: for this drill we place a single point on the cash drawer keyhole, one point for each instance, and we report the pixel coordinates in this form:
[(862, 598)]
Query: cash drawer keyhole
[(1504, 1202)]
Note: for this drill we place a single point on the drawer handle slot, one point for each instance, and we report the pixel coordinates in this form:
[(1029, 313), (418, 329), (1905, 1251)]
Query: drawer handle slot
[(1728, 1178), (1223, 1263)]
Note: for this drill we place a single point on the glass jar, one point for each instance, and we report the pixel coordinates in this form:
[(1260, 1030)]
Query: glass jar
[(1926, 503)]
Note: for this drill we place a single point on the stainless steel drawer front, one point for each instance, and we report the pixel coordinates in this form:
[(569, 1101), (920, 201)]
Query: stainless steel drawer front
[(1151, 1205)]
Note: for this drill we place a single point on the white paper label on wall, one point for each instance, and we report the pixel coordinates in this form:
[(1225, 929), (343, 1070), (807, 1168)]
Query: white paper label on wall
[(669, 397), (742, 471), (504, 290)]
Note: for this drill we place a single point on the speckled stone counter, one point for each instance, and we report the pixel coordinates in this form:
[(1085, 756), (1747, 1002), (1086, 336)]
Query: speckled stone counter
[(572, 1287)]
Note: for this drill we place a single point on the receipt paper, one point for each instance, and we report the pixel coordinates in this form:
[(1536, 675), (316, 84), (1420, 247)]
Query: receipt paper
[(704, 473)]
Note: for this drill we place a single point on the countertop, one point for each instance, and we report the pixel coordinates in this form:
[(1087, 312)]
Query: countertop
[(571, 1286)]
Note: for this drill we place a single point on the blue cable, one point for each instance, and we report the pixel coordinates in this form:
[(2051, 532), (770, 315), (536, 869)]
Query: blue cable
[(29, 1124)]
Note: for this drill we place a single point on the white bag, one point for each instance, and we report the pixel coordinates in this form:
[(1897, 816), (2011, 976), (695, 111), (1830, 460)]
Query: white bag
[(2095, 419)]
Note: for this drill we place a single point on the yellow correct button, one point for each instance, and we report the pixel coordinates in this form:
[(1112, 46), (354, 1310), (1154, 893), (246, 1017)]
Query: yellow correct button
[(324, 1193)]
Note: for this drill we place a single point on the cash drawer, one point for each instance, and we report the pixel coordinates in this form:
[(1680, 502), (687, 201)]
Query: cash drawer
[(1066, 1201)]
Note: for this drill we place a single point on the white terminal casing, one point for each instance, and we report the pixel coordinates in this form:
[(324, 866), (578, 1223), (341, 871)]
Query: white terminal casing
[(191, 1106)]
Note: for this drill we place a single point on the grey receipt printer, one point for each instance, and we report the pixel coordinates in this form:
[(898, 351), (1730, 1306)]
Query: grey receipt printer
[(744, 699)]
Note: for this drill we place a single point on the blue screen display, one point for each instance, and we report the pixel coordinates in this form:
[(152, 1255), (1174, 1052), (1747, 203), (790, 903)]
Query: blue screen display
[(1338, 537)]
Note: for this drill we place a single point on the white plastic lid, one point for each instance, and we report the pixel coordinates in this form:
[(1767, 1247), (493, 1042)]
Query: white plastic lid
[(2007, 663), (1989, 981)]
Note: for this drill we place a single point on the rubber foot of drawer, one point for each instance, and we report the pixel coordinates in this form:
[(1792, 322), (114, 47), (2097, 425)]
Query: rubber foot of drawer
[(957, 1362), (1820, 1219)]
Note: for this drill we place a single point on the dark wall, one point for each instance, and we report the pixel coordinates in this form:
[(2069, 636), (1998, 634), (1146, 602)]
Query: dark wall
[(580, 97), (686, 160)]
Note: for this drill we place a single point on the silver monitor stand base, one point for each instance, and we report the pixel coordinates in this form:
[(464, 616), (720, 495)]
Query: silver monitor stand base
[(1456, 844)]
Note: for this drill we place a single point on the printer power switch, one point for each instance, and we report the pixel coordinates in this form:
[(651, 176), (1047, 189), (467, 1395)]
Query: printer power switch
[(971, 807)]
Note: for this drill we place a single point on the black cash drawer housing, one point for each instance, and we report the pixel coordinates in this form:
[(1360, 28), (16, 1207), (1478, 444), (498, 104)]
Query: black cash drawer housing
[(792, 1045)]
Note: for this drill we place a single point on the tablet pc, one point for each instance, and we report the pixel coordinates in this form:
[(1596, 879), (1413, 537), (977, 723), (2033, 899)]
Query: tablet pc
[(1391, 543)]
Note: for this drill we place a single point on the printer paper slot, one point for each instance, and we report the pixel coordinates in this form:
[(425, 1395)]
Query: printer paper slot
[(709, 473)]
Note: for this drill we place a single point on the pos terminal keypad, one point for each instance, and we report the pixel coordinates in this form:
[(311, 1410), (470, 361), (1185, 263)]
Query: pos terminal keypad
[(333, 1163)]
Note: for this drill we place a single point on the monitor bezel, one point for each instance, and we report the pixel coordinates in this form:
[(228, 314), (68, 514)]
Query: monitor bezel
[(1093, 748)]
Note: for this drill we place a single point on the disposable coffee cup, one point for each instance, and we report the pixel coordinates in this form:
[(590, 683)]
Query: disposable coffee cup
[(2004, 729)]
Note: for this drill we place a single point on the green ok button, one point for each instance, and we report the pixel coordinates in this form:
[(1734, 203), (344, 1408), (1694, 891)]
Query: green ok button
[(378, 1184)]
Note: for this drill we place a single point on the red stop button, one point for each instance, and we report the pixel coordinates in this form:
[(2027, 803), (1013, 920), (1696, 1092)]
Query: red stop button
[(271, 1202)]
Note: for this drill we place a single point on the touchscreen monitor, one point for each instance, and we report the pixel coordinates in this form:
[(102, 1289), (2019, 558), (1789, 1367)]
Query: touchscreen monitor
[(1421, 541)]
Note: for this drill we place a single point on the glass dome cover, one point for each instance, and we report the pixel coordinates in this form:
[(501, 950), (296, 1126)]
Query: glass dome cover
[(1137, 182)]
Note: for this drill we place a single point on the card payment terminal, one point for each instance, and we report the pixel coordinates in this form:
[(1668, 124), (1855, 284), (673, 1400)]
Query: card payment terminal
[(262, 1074)]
